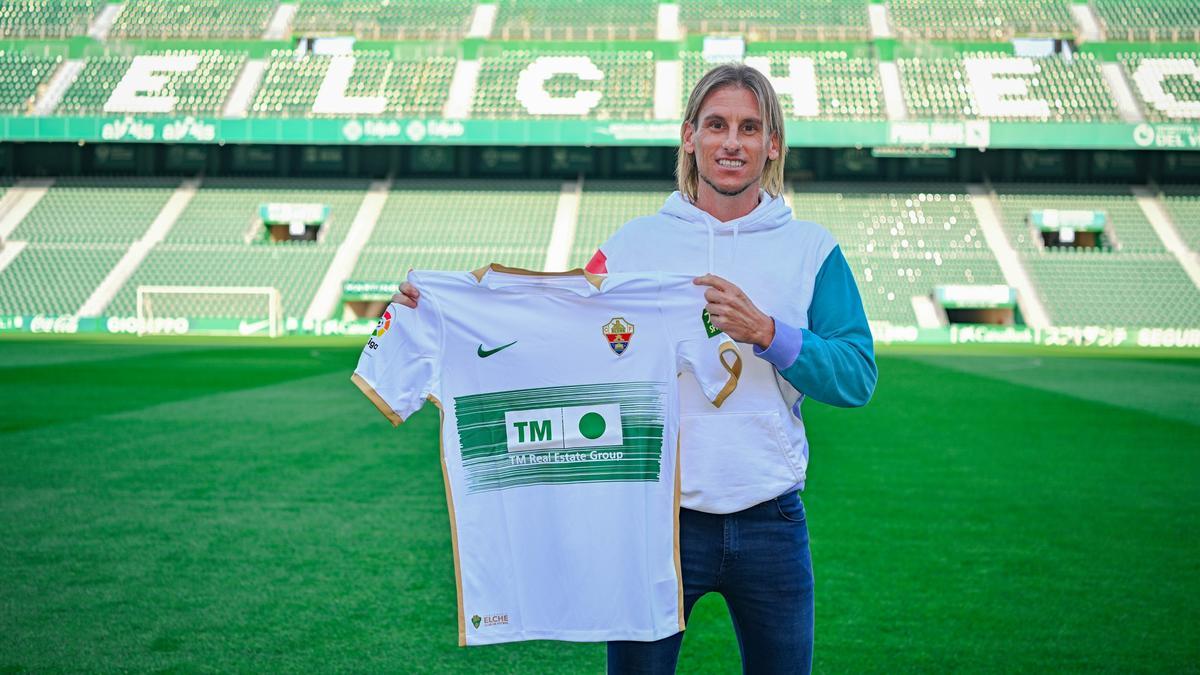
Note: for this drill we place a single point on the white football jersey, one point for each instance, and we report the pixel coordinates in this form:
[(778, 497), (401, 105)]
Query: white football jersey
[(559, 440)]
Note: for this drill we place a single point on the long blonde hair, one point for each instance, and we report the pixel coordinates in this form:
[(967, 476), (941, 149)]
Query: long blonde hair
[(735, 75)]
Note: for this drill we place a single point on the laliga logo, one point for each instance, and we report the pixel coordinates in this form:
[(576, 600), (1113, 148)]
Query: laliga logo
[(385, 322)]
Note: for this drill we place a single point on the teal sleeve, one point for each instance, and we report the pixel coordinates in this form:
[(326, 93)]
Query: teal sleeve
[(835, 363)]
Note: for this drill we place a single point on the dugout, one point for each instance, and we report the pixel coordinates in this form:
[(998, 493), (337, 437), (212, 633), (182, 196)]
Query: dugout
[(293, 222), (1080, 229), (965, 304)]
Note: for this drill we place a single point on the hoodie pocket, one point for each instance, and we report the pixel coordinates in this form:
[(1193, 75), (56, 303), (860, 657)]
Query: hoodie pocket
[(738, 451)]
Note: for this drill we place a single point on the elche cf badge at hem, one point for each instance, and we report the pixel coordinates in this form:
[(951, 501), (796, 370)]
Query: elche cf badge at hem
[(618, 332)]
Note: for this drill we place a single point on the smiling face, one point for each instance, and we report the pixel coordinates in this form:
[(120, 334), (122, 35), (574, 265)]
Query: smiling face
[(731, 148)]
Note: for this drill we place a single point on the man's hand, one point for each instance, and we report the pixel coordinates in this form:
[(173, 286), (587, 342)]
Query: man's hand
[(730, 310), (408, 296)]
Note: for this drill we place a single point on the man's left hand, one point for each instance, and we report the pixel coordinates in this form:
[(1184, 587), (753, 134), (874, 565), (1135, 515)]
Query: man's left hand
[(733, 312)]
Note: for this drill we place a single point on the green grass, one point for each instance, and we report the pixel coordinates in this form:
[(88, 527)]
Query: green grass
[(201, 506)]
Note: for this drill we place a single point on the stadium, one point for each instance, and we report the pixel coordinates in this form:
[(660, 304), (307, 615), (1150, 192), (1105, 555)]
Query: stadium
[(205, 205)]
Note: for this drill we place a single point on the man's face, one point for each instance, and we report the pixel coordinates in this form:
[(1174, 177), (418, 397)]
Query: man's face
[(729, 142)]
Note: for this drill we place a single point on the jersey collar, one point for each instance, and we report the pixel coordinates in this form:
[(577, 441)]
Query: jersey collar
[(497, 276)]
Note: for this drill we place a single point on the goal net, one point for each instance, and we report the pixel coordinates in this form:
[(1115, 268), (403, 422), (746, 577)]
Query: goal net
[(258, 309)]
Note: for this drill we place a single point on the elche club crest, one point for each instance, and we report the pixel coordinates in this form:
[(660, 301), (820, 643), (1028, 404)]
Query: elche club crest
[(618, 332)]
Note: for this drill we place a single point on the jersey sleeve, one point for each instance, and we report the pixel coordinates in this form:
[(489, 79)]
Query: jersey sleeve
[(397, 370), (700, 348)]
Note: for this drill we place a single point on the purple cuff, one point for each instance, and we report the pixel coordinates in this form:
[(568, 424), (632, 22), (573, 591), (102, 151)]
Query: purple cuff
[(784, 347)]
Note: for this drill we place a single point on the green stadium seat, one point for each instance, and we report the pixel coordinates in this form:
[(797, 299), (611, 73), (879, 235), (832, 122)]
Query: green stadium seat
[(899, 243), (46, 18), (241, 19), (22, 79), (1175, 73), (199, 91), (296, 269), (55, 278), (626, 88), (605, 205), (576, 20), (777, 20), (75, 234), (1074, 91), (95, 210), (225, 210), (414, 86), (460, 225), (1135, 282), (384, 19), (1154, 20), (1183, 205), (848, 88), (984, 20)]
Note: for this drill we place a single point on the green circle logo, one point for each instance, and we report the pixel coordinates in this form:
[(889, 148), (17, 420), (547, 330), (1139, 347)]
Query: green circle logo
[(592, 426)]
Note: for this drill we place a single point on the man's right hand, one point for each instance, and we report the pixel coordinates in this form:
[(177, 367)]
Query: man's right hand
[(408, 296)]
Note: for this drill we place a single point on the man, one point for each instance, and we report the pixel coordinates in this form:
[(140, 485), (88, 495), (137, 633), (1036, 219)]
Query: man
[(742, 526)]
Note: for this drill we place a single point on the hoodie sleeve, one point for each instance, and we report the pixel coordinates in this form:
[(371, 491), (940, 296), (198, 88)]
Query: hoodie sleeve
[(834, 361)]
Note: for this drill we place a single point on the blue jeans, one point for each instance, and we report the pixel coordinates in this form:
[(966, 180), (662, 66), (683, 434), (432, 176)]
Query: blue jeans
[(758, 559)]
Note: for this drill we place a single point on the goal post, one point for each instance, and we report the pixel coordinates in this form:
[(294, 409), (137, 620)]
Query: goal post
[(257, 307)]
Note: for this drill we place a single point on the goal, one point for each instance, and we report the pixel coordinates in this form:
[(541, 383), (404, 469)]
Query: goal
[(257, 308)]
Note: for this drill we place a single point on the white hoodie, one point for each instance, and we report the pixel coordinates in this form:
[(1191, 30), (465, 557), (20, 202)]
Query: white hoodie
[(754, 447)]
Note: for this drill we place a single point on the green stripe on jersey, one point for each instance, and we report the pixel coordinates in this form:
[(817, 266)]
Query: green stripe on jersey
[(551, 436)]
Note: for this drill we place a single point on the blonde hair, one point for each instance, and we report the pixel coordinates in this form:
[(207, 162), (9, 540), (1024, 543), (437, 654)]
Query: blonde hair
[(745, 77)]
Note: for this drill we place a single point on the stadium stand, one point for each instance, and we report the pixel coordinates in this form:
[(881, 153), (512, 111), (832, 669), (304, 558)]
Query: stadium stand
[(1132, 282), (1183, 205), (46, 18), (986, 20), (625, 86), (411, 86), (606, 205), (901, 243), (1170, 70), (294, 268), (244, 19), (777, 19), (22, 78), (87, 211), (1129, 231), (576, 20), (77, 233), (201, 86), (848, 88), (225, 210), (1092, 291), (459, 225), (1073, 91), (218, 241), (1153, 20), (384, 19), (55, 278)]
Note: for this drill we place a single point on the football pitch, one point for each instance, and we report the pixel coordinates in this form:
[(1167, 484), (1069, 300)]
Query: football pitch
[(196, 505)]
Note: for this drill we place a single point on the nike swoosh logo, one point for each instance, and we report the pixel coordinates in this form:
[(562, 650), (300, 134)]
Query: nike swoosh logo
[(484, 353), (251, 328)]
